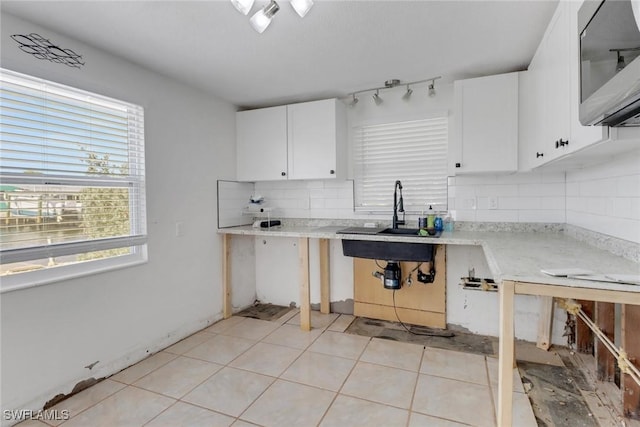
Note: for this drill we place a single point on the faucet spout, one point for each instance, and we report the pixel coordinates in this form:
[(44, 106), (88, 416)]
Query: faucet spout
[(398, 205)]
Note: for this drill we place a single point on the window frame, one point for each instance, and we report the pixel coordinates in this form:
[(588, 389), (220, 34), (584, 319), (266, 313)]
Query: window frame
[(411, 207), (133, 181)]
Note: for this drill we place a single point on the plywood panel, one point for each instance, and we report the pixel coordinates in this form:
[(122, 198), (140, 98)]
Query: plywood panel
[(631, 344), (425, 297), (584, 336), (605, 361)]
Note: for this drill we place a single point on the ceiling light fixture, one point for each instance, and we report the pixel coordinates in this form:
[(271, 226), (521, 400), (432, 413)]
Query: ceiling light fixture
[(262, 18), (243, 6), (302, 6), (376, 97), (390, 84)]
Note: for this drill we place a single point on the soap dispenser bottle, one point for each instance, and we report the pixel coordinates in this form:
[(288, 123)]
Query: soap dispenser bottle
[(431, 218)]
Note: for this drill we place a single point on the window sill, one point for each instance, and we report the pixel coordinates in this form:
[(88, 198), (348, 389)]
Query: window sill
[(45, 276)]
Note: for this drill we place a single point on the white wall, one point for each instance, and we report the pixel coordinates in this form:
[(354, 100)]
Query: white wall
[(606, 198), (50, 333)]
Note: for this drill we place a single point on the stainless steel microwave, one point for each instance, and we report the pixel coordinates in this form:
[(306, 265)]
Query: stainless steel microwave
[(609, 32)]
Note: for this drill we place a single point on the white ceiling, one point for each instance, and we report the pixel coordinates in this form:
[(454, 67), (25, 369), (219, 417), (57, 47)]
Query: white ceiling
[(339, 47)]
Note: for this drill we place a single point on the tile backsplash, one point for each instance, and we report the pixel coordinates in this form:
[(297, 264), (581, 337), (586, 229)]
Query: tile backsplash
[(530, 197), (606, 198)]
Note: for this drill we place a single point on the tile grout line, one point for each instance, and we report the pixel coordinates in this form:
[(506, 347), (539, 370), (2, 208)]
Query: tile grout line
[(415, 386)]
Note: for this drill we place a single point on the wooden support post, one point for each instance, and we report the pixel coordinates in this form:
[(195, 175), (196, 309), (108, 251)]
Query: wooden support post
[(631, 344), (605, 361), (506, 356), (584, 336), (325, 301), (305, 298), (545, 322), (226, 276)]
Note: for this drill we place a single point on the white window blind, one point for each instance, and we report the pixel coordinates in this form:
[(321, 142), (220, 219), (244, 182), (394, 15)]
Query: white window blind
[(414, 152), (72, 179)]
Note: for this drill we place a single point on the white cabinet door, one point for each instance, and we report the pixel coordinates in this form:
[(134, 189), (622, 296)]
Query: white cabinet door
[(261, 137), (316, 139), (551, 95), (486, 120)]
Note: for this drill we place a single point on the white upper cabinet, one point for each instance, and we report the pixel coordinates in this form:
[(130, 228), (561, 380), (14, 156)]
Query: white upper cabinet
[(550, 96), (486, 125), (297, 141), (317, 139), (261, 144)]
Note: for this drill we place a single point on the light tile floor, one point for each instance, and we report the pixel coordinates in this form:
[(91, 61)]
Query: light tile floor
[(248, 372)]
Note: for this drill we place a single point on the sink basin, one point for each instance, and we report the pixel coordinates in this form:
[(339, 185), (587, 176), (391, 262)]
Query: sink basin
[(406, 232), (388, 251), (401, 231)]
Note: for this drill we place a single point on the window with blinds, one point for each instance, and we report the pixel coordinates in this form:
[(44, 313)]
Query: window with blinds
[(414, 152), (72, 181)]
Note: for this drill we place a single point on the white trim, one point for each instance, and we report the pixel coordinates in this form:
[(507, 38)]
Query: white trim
[(32, 279)]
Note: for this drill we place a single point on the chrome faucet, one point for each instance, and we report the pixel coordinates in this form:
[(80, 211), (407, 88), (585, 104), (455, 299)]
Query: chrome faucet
[(398, 205)]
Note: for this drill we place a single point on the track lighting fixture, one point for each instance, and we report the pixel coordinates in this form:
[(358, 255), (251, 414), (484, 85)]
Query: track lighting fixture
[(376, 98), (390, 84), (262, 18)]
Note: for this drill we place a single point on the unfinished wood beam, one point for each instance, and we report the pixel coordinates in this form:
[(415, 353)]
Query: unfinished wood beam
[(605, 361), (325, 301), (584, 337), (631, 345), (506, 354), (226, 276), (305, 298), (545, 322)]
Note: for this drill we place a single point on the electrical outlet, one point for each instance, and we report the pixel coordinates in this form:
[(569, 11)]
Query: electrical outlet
[(470, 203), (493, 202), (179, 229)]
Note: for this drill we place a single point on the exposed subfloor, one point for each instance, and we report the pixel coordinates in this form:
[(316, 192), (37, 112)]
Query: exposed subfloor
[(557, 382)]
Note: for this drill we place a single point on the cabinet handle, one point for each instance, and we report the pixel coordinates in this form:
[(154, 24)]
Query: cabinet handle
[(563, 143), (539, 155), (558, 143), (458, 165), (284, 174), (332, 172)]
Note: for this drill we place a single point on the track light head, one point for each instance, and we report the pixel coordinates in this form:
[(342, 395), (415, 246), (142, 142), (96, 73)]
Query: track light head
[(354, 101), (242, 6), (262, 18), (302, 6), (407, 94), (376, 98), (620, 65), (432, 89)]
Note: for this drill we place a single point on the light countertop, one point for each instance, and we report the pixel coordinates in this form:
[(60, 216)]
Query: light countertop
[(517, 256)]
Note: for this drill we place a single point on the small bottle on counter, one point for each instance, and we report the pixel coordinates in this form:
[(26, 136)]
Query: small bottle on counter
[(431, 218), (438, 224), (447, 223)]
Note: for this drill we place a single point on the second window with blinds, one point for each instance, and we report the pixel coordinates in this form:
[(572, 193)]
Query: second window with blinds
[(414, 152)]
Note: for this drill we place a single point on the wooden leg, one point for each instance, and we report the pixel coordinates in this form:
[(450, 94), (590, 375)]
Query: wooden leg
[(545, 322), (226, 276), (325, 302), (506, 359), (584, 336), (305, 299), (631, 344), (605, 361)]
